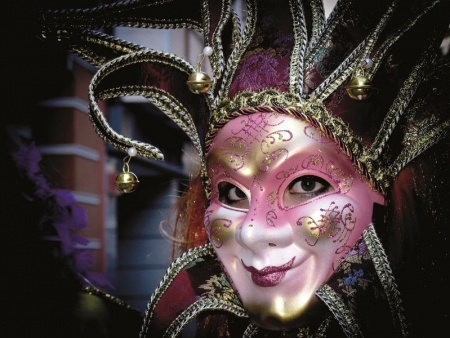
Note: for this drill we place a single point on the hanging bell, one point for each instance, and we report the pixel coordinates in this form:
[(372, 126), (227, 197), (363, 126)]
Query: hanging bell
[(360, 88), (199, 82), (126, 181)]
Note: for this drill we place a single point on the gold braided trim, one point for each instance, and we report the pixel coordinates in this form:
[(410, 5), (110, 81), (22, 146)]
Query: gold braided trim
[(390, 41), (303, 332), (66, 24), (349, 65), (174, 269), (67, 17), (250, 331), (399, 106), (105, 41), (340, 311), (165, 101), (346, 68), (217, 58), (386, 277), (97, 292), (318, 18), (241, 46), (199, 306), (314, 113), (325, 27), (421, 144), (296, 68)]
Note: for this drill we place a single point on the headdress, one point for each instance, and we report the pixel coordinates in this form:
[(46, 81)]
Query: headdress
[(368, 76)]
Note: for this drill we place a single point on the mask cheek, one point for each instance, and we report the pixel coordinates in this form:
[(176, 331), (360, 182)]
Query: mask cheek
[(338, 219), (221, 224), (317, 225)]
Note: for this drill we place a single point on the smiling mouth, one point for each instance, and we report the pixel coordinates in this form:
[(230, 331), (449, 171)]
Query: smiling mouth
[(269, 275)]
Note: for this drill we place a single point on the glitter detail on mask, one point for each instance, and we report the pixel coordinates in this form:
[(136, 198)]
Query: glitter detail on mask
[(337, 224)]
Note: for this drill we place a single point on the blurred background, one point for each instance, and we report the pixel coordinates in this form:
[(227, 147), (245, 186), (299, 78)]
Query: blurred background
[(48, 105)]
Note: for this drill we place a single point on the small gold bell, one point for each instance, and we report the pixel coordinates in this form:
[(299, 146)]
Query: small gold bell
[(199, 82), (360, 88), (126, 182)]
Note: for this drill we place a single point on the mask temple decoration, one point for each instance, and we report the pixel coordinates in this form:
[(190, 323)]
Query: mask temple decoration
[(362, 76)]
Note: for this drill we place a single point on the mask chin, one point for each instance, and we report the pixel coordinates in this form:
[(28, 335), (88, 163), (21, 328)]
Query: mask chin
[(310, 315)]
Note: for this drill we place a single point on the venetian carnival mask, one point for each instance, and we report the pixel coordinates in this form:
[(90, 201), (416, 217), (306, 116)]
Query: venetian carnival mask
[(301, 127), (286, 206)]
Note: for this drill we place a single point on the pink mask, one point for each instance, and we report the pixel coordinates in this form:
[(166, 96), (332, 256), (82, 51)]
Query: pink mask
[(286, 207)]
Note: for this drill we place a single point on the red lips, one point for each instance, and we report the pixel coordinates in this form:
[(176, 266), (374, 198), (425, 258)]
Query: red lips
[(269, 275)]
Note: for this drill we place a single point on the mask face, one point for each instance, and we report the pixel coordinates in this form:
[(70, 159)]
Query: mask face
[(286, 206)]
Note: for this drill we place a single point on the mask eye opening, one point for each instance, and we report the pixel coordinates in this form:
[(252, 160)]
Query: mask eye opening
[(231, 195), (303, 189)]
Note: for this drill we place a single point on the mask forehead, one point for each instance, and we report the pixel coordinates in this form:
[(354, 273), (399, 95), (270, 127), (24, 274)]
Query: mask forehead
[(252, 145)]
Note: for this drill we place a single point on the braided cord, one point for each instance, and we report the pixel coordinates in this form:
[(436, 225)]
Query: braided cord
[(298, 53), (173, 270)]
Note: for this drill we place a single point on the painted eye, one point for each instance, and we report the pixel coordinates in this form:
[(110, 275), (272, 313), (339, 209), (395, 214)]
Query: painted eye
[(231, 195), (304, 188)]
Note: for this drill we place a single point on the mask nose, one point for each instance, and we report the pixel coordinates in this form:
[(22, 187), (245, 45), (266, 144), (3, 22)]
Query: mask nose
[(264, 230)]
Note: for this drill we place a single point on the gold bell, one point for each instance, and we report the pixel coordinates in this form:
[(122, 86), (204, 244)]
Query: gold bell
[(199, 82), (126, 181), (360, 88)]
